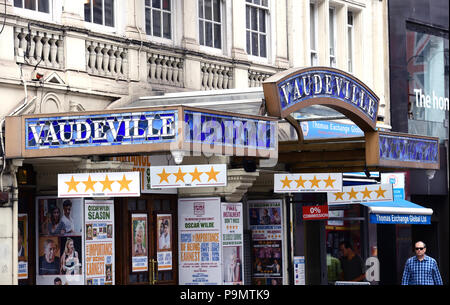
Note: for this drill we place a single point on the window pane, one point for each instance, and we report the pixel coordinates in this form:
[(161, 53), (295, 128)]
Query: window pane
[(208, 34), (249, 43), (30, 4), (98, 14), (312, 26), (166, 5), (217, 10), (255, 44), (18, 3), (258, 2), (201, 32), (87, 12), (156, 23), (43, 6), (200, 8), (247, 21), (208, 10), (264, 3), (148, 21), (254, 19), (156, 3), (167, 26), (262, 40), (109, 12), (147, 2), (262, 21), (217, 36)]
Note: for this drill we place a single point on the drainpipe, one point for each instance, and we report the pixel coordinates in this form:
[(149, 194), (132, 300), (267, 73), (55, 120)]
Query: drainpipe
[(15, 164)]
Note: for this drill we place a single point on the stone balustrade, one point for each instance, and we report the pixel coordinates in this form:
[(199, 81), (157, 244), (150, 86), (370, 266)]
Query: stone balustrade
[(165, 69), (216, 76), (256, 78), (41, 47), (106, 59)]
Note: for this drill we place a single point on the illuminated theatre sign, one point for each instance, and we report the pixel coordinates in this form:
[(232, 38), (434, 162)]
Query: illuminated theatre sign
[(159, 129), (294, 89)]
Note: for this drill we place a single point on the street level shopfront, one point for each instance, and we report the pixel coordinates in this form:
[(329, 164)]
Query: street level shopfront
[(183, 195)]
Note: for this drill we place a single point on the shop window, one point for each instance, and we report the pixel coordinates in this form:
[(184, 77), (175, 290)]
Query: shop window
[(256, 24), (158, 18), (427, 60), (99, 12)]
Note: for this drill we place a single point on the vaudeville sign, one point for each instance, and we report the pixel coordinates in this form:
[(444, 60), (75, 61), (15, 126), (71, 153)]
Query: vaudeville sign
[(156, 129), (295, 89)]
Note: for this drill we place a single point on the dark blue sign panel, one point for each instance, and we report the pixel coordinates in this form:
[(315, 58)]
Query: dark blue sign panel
[(101, 130), (400, 219), (224, 130), (409, 149), (327, 84)]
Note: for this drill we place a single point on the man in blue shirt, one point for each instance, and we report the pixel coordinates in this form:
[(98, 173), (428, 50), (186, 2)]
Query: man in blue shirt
[(421, 269)]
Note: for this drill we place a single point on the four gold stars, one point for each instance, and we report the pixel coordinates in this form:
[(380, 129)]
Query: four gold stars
[(90, 184)]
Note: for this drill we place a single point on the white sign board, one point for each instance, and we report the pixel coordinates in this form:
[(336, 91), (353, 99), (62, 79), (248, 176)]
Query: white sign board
[(361, 193), (321, 182), (188, 176), (112, 184)]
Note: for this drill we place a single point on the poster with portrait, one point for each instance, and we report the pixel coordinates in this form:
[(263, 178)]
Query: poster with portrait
[(59, 241), (139, 242), (232, 243), (22, 254), (164, 241), (99, 244), (266, 224)]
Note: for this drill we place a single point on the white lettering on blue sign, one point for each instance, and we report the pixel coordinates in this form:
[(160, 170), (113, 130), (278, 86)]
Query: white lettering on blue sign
[(328, 84), (400, 219), (101, 129)]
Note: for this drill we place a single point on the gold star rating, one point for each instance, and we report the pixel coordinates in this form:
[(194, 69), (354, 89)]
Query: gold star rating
[(72, 185), (286, 182), (366, 193), (196, 175), (212, 174), (89, 184), (124, 183), (180, 175), (380, 192), (300, 182), (107, 183), (329, 181), (315, 182), (339, 195), (352, 194), (164, 176)]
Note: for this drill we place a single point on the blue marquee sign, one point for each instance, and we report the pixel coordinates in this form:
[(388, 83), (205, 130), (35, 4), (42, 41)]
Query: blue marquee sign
[(400, 219)]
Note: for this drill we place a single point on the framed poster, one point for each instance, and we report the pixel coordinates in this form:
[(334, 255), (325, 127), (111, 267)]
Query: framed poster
[(232, 243), (139, 242), (199, 239), (22, 254), (99, 244), (266, 223), (59, 241), (164, 241)]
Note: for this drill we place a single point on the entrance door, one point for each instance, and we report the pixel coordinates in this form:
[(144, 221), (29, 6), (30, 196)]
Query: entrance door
[(146, 230)]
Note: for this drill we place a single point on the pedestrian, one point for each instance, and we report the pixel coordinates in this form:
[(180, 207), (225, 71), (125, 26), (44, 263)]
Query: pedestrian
[(421, 269), (352, 264)]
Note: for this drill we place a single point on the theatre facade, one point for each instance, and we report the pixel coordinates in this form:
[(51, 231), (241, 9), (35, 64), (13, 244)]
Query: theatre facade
[(174, 194)]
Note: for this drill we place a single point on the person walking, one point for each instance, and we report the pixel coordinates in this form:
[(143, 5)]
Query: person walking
[(421, 269)]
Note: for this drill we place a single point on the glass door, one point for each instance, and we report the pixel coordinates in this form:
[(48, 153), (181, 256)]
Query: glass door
[(146, 242)]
